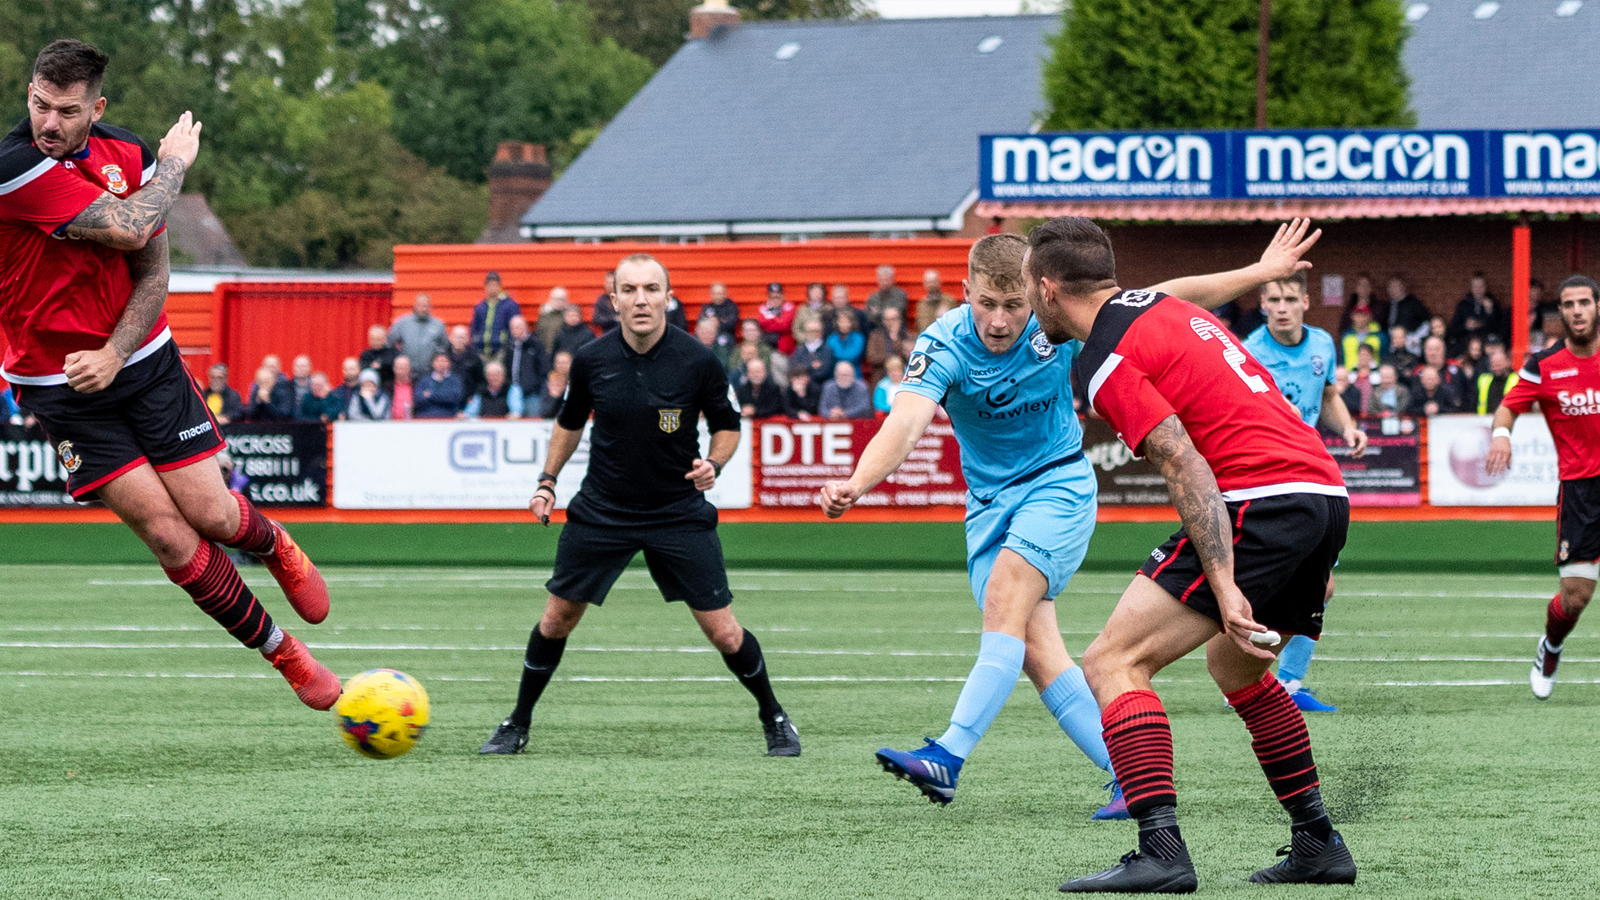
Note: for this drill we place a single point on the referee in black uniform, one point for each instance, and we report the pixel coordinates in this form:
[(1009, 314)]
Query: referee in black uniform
[(647, 386)]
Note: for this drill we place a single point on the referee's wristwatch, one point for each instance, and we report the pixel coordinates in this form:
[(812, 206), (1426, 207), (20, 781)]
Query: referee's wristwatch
[(716, 468)]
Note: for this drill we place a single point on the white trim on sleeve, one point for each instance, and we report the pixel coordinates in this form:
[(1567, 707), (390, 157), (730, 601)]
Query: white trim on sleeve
[(22, 180), (1101, 374)]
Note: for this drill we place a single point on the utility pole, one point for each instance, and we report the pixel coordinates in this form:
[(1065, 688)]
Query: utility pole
[(1261, 65)]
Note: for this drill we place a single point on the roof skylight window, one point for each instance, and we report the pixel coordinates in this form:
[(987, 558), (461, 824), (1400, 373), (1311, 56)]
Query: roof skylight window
[(990, 43), (1486, 10), (1568, 8), (787, 51), (1415, 12)]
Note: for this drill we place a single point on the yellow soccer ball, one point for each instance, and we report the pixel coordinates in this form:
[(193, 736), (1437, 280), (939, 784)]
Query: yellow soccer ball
[(382, 713)]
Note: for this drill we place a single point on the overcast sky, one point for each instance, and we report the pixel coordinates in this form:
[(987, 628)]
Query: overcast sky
[(925, 9)]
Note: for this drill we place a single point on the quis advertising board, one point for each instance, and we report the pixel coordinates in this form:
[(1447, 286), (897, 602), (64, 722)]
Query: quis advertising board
[(1248, 165)]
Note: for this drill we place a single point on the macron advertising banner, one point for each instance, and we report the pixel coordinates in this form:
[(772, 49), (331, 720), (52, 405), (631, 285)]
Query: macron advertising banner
[(476, 464), (794, 459), (1457, 447), (1248, 165)]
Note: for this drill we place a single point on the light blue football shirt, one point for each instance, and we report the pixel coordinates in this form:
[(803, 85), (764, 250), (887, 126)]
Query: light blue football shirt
[(1301, 371), (1012, 412)]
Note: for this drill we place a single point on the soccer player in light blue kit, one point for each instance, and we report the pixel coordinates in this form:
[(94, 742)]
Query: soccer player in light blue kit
[(1031, 493), (1302, 358)]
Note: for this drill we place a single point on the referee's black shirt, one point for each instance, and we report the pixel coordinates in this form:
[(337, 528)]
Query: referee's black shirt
[(647, 408)]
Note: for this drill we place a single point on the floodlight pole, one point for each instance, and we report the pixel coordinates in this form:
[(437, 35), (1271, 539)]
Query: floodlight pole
[(1261, 65)]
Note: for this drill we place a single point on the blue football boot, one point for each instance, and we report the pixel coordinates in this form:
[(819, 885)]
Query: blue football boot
[(1117, 808), (1308, 702), (932, 769)]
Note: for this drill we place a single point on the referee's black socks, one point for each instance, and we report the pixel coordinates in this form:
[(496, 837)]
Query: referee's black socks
[(543, 655), (750, 667)]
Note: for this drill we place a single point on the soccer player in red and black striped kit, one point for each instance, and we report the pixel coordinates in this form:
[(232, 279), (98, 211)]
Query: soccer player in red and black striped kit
[(1264, 513), (84, 265), (1564, 380)]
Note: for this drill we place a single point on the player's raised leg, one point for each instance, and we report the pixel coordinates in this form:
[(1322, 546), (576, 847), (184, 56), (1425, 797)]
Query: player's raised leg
[(546, 643), (1561, 616), (741, 653), (1066, 695), (203, 570)]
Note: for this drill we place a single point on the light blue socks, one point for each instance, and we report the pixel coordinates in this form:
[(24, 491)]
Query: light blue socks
[(1072, 703), (1295, 659), (988, 686)]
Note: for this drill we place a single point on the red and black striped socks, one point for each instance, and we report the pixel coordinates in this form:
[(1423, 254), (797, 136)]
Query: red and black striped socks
[(1139, 741), (1558, 623), (1282, 745), (255, 534), (210, 578)]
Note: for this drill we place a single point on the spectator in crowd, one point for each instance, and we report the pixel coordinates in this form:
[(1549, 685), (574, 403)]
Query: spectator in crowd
[(1432, 396), (813, 354), (465, 363), (379, 356), (846, 344), (1362, 330), (1363, 296), (759, 396), (1365, 375), (894, 369), (1405, 310), (550, 318), (418, 335), (776, 317), (840, 299), (223, 401), (301, 383), (350, 372), (319, 404), (890, 338), (815, 309), (708, 331), (369, 403), (1390, 397), (1477, 314), (1473, 362), (270, 400), (887, 296), (605, 307), (271, 363), (1400, 356), (1348, 393), (1449, 373), (726, 311), (675, 314), (526, 359), (440, 394), (1494, 384), (1436, 326), (1551, 332), (554, 393), (1538, 306), (491, 319), (803, 396), (845, 397), (1242, 314), (750, 346), (935, 302), (402, 399), (574, 333), (498, 398)]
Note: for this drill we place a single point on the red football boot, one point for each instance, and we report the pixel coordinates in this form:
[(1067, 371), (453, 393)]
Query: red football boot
[(299, 578), (313, 683)]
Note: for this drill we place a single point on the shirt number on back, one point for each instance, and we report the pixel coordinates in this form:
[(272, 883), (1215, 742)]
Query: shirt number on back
[(1231, 354)]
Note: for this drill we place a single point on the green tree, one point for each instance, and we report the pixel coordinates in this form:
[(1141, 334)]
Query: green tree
[(1127, 64)]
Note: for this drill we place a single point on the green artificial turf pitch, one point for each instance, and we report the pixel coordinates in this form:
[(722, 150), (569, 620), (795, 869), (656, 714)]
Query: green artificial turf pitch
[(143, 754)]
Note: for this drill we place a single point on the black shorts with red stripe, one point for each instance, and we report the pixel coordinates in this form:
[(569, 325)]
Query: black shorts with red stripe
[(152, 413), (1284, 549), (1578, 521)]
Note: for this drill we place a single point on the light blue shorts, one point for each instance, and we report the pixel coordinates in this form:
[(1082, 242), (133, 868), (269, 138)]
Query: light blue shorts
[(1047, 521)]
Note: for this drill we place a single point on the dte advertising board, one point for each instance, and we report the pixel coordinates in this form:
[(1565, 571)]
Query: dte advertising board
[(1304, 164), (795, 459)]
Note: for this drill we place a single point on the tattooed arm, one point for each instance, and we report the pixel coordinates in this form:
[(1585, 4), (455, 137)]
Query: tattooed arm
[(94, 370), (127, 223), (1205, 518)]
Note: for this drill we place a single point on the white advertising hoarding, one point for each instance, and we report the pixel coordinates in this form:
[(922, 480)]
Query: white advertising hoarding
[(1457, 446), (476, 464)]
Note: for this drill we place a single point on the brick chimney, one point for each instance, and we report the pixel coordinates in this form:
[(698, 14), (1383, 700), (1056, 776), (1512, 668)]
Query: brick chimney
[(518, 177), (711, 19)]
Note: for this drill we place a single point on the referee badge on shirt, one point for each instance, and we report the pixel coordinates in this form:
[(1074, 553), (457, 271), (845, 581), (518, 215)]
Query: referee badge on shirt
[(70, 460), (671, 419)]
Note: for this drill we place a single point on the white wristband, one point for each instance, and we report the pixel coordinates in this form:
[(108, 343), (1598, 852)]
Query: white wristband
[(1501, 433)]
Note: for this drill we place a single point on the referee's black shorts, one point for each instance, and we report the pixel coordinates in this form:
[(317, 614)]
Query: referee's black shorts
[(685, 560), (1284, 549), (152, 413)]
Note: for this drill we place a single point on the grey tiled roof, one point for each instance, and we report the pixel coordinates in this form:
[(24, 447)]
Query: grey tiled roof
[(874, 119)]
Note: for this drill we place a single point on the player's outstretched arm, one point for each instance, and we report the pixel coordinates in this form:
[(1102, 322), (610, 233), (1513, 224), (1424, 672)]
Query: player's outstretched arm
[(89, 371), (1281, 260), (704, 473), (1337, 416), (563, 442), (1499, 458), (128, 223), (908, 419), (1205, 517)]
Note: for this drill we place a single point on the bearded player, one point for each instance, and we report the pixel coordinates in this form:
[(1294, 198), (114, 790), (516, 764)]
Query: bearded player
[(83, 255), (1031, 493), (1264, 512), (1564, 380)]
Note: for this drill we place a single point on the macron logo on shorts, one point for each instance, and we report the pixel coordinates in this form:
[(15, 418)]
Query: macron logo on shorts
[(189, 433)]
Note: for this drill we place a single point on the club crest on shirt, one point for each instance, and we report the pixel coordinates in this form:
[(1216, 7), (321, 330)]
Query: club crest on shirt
[(671, 419), (1318, 366), (1565, 551), (70, 460), (1042, 348), (115, 182)]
